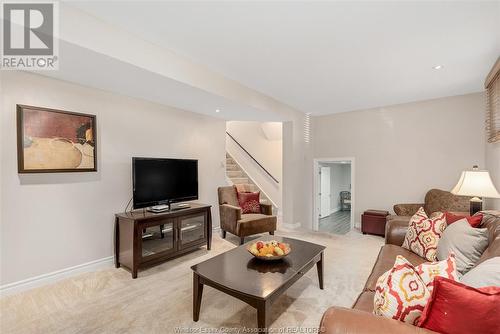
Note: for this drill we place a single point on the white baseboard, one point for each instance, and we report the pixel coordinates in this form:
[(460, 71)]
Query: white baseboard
[(55, 276)]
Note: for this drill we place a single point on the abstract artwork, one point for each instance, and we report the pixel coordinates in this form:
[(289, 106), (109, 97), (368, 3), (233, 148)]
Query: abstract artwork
[(51, 141)]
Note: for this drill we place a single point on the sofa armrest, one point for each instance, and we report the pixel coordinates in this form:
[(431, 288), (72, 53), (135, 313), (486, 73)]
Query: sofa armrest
[(395, 229), (407, 209), (337, 320), (266, 209), (229, 215)]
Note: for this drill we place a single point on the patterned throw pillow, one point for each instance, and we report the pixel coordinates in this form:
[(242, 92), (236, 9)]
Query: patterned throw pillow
[(249, 202), (402, 292), (424, 233)]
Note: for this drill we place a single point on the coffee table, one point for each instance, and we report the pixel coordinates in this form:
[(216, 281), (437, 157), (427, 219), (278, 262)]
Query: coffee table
[(256, 282)]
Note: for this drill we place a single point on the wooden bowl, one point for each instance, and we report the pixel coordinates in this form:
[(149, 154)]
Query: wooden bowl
[(287, 251)]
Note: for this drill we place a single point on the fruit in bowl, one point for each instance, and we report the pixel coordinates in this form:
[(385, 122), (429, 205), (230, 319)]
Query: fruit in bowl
[(269, 250)]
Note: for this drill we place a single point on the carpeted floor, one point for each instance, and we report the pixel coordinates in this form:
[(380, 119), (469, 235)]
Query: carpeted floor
[(159, 301)]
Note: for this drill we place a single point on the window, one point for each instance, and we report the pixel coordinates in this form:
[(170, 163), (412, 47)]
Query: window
[(492, 85)]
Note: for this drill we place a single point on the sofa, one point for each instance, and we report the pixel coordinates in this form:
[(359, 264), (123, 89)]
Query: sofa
[(239, 224), (360, 319)]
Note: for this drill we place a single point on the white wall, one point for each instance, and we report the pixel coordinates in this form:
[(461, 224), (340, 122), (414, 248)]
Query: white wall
[(404, 150), (54, 221), (340, 181)]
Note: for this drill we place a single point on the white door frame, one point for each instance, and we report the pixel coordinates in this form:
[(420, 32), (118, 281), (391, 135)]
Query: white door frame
[(316, 187)]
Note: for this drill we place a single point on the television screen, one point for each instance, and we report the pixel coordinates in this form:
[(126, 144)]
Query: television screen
[(157, 181)]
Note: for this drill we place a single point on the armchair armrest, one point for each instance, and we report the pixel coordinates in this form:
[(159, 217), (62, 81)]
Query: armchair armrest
[(266, 209), (229, 215), (407, 209), (395, 229), (339, 320)]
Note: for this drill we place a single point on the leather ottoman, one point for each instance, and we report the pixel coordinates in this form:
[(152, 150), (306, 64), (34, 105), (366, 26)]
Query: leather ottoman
[(373, 222)]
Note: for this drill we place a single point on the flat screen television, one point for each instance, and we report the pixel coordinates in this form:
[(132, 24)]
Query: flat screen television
[(163, 181)]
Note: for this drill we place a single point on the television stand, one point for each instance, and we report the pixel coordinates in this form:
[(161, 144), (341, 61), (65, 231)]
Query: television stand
[(143, 238)]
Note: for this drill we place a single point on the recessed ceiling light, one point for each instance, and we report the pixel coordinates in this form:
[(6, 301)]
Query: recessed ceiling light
[(217, 110), (437, 67)]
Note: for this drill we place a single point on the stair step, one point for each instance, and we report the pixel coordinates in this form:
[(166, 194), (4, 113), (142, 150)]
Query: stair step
[(232, 167), (235, 173), (230, 161), (239, 180)]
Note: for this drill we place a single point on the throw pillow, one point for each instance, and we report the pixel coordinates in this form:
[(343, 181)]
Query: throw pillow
[(424, 233), (474, 221), (400, 293), (249, 202), (428, 271), (466, 242), (460, 309), (486, 273)]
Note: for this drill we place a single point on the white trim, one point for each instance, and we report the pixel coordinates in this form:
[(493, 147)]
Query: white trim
[(55, 276), (316, 162)]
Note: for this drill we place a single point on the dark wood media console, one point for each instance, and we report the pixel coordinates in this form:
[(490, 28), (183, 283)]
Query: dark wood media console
[(144, 238)]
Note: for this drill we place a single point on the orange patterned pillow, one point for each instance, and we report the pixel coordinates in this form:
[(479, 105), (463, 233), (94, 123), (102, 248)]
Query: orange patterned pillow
[(402, 292), (424, 233)]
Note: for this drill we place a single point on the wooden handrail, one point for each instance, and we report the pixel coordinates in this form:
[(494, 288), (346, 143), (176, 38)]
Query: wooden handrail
[(255, 160)]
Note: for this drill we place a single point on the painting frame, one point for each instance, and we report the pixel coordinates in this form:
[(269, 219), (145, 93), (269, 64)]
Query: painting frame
[(20, 120)]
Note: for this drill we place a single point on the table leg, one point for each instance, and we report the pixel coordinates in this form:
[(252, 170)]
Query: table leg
[(319, 266), (197, 293), (263, 311)]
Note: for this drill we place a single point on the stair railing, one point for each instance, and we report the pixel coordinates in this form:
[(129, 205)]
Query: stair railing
[(251, 156)]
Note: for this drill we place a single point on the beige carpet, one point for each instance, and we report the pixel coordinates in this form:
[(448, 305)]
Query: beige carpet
[(159, 301)]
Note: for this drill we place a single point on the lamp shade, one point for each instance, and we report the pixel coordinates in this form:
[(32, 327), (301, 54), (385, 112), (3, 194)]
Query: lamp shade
[(475, 183)]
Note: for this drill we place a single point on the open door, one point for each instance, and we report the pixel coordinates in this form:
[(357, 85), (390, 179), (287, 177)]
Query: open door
[(325, 192)]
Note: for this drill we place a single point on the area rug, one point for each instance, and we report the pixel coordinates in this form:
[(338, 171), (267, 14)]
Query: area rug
[(160, 299)]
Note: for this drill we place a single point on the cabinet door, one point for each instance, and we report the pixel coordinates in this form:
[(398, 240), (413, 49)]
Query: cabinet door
[(157, 239), (192, 229)]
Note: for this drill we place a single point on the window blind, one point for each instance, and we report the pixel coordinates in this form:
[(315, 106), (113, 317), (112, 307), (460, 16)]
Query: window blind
[(492, 86)]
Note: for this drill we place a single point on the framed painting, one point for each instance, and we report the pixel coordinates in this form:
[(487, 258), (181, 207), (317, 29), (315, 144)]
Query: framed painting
[(55, 141)]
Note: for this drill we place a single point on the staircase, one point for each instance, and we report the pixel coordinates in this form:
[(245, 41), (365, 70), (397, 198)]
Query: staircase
[(236, 175)]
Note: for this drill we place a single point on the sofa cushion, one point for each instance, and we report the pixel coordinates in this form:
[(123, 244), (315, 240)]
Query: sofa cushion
[(385, 261), (486, 273), (466, 242), (491, 221), (253, 223), (364, 301), (424, 233), (441, 200)]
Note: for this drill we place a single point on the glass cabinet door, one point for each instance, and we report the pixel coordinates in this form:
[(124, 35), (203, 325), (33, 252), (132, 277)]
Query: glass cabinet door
[(192, 229), (158, 239)]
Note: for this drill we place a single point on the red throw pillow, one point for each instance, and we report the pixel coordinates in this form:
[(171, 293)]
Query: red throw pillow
[(474, 221), (249, 202), (460, 309)]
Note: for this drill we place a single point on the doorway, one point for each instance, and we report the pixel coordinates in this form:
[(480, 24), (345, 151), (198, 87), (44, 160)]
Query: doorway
[(333, 195)]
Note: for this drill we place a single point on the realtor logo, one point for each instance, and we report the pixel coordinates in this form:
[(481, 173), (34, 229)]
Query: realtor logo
[(29, 31)]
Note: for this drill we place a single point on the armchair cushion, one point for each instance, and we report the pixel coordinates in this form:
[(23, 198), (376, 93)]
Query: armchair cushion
[(249, 202), (253, 223)]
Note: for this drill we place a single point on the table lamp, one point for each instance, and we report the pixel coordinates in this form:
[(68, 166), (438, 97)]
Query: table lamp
[(476, 183)]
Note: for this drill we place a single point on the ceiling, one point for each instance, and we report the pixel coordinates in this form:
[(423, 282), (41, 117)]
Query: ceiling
[(325, 57)]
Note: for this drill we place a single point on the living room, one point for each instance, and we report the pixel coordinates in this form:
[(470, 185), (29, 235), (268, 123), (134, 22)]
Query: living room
[(239, 103)]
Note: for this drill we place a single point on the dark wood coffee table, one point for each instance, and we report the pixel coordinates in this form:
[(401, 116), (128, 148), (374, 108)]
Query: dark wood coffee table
[(256, 282)]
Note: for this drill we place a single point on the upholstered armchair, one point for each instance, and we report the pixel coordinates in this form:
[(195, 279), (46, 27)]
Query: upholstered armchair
[(242, 225)]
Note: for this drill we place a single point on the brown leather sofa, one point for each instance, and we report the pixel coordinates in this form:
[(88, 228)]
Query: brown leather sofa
[(242, 225), (360, 319), (435, 200)]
